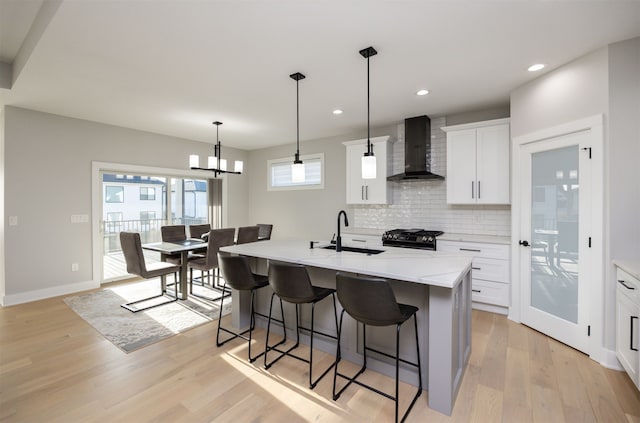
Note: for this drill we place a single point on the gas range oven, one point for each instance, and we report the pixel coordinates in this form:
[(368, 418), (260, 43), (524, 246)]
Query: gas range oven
[(411, 238)]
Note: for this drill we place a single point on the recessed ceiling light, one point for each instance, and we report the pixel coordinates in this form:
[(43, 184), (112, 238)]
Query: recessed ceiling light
[(423, 92), (337, 112), (535, 67)]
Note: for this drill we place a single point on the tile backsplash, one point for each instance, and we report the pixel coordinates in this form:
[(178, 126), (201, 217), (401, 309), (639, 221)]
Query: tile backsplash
[(423, 204)]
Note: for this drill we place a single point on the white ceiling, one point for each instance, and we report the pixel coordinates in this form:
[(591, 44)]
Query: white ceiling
[(174, 66)]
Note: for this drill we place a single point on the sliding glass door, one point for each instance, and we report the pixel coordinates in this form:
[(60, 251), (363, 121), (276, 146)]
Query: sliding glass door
[(143, 204)]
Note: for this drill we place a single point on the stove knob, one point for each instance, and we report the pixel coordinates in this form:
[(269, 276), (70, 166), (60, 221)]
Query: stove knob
[(395, 236), (430, 239), (424, 239)]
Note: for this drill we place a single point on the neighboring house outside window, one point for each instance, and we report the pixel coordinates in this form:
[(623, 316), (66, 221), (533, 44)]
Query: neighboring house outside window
[(114, 194), (147, 193)]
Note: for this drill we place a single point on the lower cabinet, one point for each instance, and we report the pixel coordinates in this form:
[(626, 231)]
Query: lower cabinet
[(490, 273), (628, 324)]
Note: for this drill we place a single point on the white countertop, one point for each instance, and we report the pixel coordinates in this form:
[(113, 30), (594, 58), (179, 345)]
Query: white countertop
[(420, 266), (629, 266)]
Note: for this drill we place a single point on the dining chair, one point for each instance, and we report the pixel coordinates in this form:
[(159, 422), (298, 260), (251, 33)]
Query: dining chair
[(247, 234), (198, 231), (136, 265), (264, 231), (209, 262), (172, 233)]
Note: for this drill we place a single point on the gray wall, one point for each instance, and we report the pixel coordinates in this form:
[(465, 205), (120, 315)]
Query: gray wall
[(47, 168), (604, 82), (308, 214)]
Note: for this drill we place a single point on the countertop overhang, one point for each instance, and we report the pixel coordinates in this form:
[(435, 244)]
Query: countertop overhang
[(419, 266)]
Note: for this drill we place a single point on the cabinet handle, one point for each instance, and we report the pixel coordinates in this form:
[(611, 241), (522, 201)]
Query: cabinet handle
[(475, 268), (472, 193), (478, 190), (625, 285), (362, 192), (366, 192), (470, 249), (631, 333), (358, 240), (476, 290)]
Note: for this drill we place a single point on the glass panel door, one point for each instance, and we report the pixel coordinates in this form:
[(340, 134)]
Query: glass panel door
[(554, 231), (555, 273), (189, 201)]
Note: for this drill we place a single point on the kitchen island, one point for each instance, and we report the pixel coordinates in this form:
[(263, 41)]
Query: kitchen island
[(438, 283)]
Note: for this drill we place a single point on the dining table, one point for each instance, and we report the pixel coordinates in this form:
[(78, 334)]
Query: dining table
[(183, 248)]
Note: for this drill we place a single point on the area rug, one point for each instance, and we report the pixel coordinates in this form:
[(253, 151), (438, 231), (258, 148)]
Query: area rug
[(131, 331)]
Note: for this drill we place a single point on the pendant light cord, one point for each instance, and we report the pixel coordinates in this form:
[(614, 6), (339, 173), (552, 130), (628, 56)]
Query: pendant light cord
[(297, 120), (368, 113)]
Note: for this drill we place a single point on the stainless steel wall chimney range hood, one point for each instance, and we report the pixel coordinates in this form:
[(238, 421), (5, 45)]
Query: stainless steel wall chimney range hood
[(417, 151)]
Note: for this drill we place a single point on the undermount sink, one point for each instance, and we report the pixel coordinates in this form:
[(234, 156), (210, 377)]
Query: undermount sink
[(368, 251)]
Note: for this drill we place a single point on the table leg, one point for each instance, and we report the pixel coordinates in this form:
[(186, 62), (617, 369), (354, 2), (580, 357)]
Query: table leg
[(184, 255)]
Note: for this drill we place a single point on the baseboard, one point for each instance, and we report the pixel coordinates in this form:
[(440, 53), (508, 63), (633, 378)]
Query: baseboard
[(490, 307), (41, 294), (607, 358)]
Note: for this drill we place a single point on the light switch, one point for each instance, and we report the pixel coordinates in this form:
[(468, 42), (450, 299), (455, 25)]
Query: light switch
[(79, 218), (13, 220)]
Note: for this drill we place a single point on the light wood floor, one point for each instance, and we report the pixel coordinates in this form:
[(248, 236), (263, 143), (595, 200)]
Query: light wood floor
[(55, 367)]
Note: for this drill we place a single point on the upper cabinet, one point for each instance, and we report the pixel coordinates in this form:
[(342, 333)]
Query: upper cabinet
[(478, 163), (369, 191)]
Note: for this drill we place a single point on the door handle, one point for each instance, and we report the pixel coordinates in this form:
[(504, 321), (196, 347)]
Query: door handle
[(472, 193), (478, 190), (524, 243), (476, 290), (475, 268), (625, 285), (631, 334)]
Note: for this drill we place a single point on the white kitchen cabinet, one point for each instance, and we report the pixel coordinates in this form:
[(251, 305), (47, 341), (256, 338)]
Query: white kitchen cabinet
[(369, 191), (478, 163), (628, 324), (490, 272)]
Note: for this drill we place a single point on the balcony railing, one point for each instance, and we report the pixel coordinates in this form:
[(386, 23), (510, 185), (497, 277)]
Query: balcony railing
[(149, 230)]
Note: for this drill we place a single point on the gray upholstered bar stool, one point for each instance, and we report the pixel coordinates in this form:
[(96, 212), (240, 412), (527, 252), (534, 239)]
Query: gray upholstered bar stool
[(237, 275), (371, 301), (291, 283)]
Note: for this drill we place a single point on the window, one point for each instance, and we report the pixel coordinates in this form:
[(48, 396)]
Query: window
[(147, 193), (279, 173), (147, 215), (114, 194)]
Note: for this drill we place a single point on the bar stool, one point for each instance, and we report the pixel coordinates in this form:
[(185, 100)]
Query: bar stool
[(371, 301), (291, 283), (237, 274)]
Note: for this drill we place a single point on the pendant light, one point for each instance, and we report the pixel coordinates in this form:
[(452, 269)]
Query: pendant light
[(215, 163), (368, 160), (297, 167)]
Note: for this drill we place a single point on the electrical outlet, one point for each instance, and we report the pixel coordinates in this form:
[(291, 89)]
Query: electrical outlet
[(75, 267), (13, 220), (79, 218)]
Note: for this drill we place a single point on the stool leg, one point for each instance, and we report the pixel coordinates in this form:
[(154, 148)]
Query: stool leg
[(338, 357), (397, 366), (266, 342), (220, 316)]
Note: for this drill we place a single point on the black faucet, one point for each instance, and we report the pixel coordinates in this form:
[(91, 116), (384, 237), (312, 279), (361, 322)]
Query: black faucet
[(346, 223)]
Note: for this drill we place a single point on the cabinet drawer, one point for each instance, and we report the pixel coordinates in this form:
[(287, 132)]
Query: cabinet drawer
[(628, 285), (490, 269), (490, 292), (496, 251), (362, 240)]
